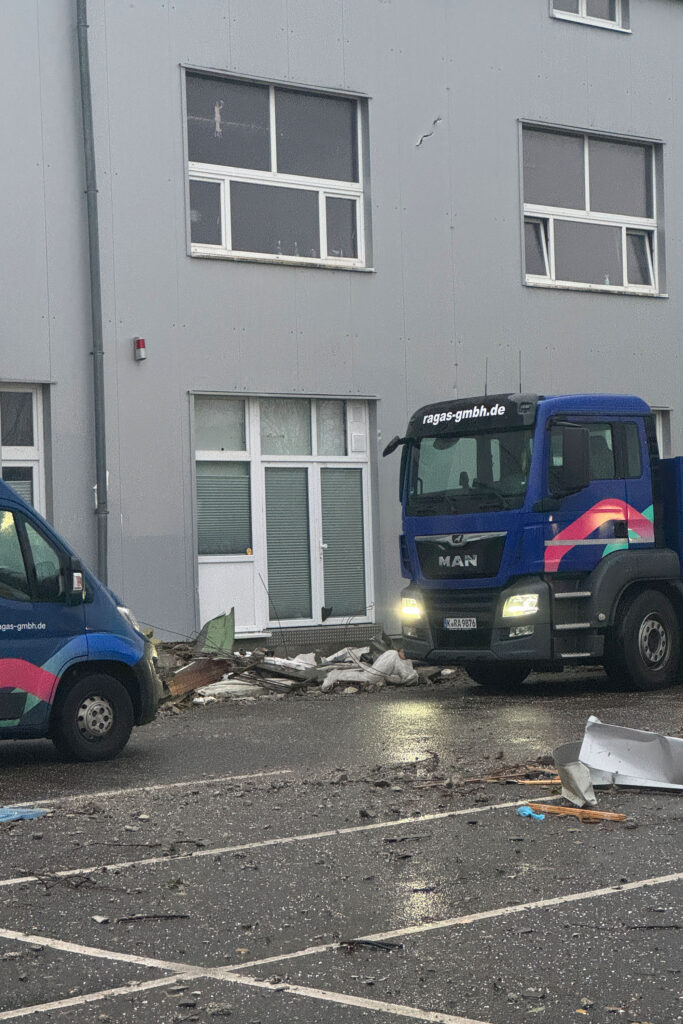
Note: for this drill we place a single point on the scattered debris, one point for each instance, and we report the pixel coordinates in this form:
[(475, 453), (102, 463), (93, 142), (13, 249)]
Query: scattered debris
[(20, 813), (349, 945), (577, 812), (526, 812), (615, 755), (217, 636), (151, 917)]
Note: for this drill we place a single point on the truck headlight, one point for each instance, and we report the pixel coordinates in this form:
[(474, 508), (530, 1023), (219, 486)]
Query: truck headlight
[(520, 604), (411, 608), (129, 617)]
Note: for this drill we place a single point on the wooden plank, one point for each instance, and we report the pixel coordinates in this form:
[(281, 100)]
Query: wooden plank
[(577, 812)]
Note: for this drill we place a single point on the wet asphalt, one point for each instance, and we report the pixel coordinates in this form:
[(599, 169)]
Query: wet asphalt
[(222, 866)]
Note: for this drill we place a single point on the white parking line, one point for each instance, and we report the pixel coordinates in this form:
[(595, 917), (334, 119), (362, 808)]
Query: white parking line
[(106, 793), (483, 915), (94, 997), (260, 844)]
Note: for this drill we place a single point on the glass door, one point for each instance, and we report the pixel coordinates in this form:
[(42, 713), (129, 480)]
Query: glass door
[(288, 540), (343, 542)]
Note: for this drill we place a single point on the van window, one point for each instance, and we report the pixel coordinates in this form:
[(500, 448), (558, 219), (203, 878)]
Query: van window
[(46, 564), (14, 585)]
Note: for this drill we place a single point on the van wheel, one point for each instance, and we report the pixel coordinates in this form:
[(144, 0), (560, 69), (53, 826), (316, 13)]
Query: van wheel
[(498, 675), (643, 652), (94, 719)]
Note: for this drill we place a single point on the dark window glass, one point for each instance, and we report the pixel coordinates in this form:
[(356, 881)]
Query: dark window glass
[(341, 227), (632, 451), (46, 566), (16, 418), (316, 135), (21, 479), (13, 579), (268, 219), (605, 9), (205, 212), (228, 122), (588, 253), (554, 170), (620, 178), (601, 451), (535, 247), (638, 257), (570, 6)]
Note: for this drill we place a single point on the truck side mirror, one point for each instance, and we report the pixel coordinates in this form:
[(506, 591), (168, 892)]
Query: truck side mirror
[(393, 445), (574, 474), (74, 581)]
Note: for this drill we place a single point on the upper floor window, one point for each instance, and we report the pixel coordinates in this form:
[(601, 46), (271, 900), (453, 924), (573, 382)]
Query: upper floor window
[(602, 13), (21, 446), (590, 212), (274, 173)]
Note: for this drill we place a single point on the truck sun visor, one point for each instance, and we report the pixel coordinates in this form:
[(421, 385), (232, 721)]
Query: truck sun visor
[(492, 411)]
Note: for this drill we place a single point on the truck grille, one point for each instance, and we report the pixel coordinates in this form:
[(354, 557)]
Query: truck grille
[(460, 555), (441, 604)]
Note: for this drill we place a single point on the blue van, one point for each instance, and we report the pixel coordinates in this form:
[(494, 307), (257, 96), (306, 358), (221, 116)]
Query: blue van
[(74, 665)]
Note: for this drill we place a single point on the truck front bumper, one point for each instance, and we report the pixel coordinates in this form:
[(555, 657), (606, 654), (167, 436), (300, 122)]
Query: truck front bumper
[(457, 626)]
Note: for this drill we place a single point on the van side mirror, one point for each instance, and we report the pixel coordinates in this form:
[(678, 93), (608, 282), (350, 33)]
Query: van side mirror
[(74, 589), (574, 474)]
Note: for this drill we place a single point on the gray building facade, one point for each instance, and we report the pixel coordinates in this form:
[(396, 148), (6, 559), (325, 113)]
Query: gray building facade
[(319, 216)]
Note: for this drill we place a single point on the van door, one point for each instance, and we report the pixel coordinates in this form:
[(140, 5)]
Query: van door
[(39, 633)]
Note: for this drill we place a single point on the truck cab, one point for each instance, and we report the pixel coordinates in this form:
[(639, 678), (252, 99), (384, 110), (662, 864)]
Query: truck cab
[(534, 536), (74, 665)]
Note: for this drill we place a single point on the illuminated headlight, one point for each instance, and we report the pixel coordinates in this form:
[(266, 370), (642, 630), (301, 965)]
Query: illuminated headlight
[(410, 608), (520, 604), (129, 617)]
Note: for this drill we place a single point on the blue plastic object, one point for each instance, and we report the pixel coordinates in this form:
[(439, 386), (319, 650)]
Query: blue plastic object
[(20, 813), (526, 812)]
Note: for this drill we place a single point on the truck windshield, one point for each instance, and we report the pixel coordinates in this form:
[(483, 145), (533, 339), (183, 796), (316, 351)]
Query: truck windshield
[(478, 472)]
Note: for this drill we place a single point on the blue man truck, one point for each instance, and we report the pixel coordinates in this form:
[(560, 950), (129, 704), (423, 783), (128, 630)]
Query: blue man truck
[(540, 532), (74, 665)]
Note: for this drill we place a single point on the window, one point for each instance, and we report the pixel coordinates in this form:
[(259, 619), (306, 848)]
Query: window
[(14, 584), (590, 217), (614, 450), (47, 568), (223, 475), (21, 447), (283, 511), (601, 13), (274, 173)]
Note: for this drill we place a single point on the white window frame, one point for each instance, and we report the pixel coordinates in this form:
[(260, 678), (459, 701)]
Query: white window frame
[(357, 422), (549, 215), (224, 175), (29, 456), (619, 24)]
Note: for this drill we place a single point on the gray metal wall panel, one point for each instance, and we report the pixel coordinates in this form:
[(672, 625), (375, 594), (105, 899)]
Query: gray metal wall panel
[(447, 289)]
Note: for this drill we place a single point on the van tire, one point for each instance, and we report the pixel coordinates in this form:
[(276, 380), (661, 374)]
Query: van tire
[(643, 651), (498, 676), (94, 719)]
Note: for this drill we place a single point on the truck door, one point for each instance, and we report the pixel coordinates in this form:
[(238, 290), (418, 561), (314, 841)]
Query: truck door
[(39, 633), (594, 521)]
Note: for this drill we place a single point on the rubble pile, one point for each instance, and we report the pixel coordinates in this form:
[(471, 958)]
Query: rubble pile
[(191, 675)]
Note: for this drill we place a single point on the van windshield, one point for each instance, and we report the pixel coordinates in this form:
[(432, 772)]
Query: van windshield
[(477, 472)]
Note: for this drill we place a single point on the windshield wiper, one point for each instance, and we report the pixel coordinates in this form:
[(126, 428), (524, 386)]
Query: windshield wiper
[(490, 489)]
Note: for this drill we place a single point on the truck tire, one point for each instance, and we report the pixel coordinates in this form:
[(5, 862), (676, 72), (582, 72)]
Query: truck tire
[(643, 652), (94, 719), (498, 675)]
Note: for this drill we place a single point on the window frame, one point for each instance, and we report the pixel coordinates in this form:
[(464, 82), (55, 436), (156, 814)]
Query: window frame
[(547, 216), (28, 456), (621, 22), (223, 175)]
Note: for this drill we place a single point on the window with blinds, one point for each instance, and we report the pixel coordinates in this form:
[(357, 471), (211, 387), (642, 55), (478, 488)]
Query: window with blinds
[(289, 557), (223, 508), (343, 533)]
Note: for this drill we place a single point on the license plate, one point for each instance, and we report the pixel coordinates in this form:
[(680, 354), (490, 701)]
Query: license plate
[(459, 623)]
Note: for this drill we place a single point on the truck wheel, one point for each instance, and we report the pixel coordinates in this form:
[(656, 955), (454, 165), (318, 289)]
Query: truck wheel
[(94, 719), (644, 650), (498, 675)]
